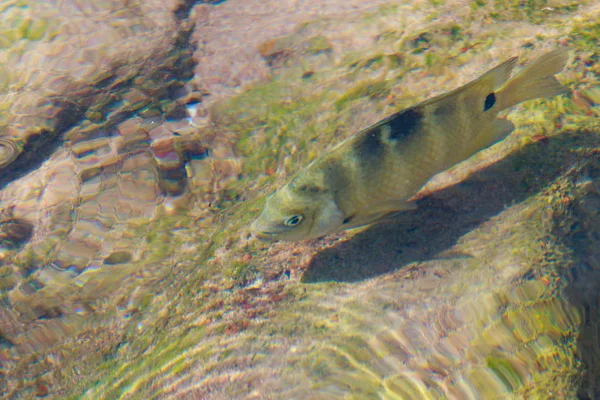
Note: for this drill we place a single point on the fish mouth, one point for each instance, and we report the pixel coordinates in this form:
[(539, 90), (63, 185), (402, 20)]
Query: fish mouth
[(264, 236)]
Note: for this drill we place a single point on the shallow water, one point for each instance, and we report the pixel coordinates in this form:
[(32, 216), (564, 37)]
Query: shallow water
[(137, 144)]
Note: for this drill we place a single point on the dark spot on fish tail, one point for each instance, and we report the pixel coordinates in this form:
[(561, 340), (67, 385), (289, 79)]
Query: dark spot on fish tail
[(348, 219), (490, 100), (404, 123)]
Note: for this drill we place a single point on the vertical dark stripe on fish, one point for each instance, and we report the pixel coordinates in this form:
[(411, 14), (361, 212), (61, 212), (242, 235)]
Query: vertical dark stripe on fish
[(370, 146), (368, 155), (404, 123), (335, 176)]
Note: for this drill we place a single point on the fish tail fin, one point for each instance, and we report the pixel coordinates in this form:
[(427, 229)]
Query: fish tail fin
[(534, 81)]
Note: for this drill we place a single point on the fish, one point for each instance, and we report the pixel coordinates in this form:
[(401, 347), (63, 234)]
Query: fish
[(376, 172)]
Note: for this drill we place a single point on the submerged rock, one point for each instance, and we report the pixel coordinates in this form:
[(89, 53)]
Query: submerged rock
[(8, 151), (87, 194), (490, 288), (78, 59)]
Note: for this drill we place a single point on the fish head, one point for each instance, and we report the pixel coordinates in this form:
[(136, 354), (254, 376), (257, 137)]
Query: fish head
[(297, 212)]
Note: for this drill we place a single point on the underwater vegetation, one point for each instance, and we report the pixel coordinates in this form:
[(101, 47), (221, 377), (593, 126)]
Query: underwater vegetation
[(488, 288)]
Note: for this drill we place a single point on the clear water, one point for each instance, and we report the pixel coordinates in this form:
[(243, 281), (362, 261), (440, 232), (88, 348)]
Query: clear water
[(138, 141)]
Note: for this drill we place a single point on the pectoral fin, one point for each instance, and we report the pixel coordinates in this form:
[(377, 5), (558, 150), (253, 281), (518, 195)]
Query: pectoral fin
[(377, 212), (502, 128)]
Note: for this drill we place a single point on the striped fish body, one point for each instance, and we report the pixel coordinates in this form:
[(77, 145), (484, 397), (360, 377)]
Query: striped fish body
[(377, 171)]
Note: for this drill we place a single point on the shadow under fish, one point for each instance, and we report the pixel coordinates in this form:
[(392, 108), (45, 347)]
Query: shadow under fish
[(443, 218)]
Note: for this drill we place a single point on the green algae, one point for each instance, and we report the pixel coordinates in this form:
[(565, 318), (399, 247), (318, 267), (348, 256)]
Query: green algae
[(243, 271), (381, 11), (406, 387), (169, 353), (284, 119), (319, 44), (18, 25), (585, 34), (372, 89), (534, 11)]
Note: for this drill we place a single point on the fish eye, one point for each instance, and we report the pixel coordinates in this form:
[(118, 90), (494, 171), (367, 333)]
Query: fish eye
[(293, 220)]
